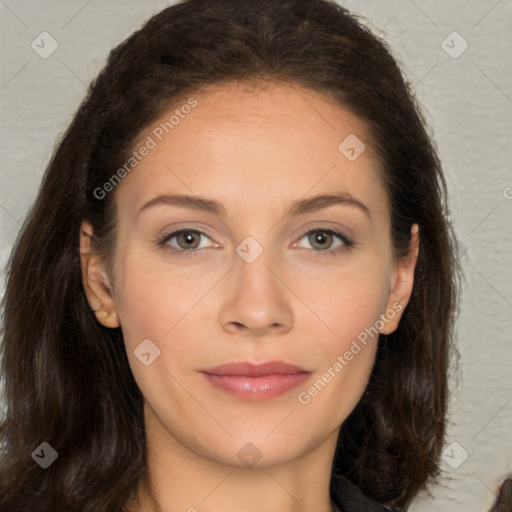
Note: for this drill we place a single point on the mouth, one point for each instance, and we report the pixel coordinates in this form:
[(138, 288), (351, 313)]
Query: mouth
[(251, 381)]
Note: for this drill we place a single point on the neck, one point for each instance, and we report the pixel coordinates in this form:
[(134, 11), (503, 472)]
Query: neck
[(178, 479)]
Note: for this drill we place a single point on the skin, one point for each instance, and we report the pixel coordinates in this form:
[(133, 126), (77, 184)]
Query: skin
[(255, 151)]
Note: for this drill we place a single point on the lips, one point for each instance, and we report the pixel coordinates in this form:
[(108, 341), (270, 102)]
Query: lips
[(255, 370), (256, 381)]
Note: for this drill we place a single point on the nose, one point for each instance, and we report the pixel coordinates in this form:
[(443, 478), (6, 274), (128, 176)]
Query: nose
[(256, 302)]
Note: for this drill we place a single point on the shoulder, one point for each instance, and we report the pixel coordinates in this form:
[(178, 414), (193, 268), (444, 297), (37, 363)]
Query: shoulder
[(350, 498)]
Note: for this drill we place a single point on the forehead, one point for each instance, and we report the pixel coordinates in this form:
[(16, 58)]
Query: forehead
[(254, 142)]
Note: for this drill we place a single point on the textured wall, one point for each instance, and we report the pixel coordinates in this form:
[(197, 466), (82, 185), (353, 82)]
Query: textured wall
[(466, 94)]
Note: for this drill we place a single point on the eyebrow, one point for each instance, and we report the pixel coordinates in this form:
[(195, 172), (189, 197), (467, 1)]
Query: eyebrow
[(298, 207)]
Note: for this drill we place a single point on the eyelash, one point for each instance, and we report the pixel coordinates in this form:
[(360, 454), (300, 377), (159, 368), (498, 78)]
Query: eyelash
[(347, 242)]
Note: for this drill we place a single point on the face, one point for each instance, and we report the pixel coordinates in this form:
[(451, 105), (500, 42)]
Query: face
[(252, 267)]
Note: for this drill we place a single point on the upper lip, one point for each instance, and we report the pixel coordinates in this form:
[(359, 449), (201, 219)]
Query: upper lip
[(247, 369)]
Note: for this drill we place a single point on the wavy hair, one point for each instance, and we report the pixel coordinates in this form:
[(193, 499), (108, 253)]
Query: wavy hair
[(66, 377)]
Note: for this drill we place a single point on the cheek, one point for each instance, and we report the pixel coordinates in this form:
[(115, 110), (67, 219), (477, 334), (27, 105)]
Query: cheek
[(153, 304), (352, 313), (167, 305), (348, 299), (156, 297), (338, 386), (348, 302)]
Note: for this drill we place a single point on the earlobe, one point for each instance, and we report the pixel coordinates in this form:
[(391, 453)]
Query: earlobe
[(402, 287), (96, 283), (106, 318)]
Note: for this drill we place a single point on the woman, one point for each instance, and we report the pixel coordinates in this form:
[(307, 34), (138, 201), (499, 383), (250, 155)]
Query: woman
[(237, 286)]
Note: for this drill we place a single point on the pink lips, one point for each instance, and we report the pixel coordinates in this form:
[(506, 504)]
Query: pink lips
[(256, 381)]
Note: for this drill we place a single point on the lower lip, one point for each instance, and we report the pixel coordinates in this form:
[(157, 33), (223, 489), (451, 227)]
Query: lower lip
[(257, 388)]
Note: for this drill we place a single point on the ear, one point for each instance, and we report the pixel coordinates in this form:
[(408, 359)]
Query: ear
[(402, 284), (96, 282)]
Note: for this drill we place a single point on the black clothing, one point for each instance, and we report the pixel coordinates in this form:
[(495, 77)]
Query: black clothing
[(350, 498)]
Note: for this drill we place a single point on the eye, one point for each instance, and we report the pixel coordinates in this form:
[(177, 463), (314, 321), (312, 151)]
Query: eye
[(327, 241), (183, 241), (324, 242)]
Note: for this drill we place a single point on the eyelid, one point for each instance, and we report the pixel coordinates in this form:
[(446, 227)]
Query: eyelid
[(325, 227), (174, 229)]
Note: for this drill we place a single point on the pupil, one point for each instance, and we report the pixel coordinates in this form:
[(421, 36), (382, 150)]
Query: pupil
[(321, 238), (189, 237)]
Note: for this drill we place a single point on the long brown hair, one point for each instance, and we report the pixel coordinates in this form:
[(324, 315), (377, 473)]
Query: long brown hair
[(67, 378)]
